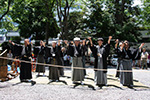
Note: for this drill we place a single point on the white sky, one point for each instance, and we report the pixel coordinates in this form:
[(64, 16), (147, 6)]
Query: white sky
[(137, 2)]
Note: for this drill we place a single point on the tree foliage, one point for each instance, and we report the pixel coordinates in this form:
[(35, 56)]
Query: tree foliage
[(145, 15), (36, 18), (99, 18), (6, 21), (113, 17), (4, 7), (63, 12)]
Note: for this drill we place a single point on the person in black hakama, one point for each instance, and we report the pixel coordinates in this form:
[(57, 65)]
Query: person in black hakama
[(84, 57), (119, 58), (56, 58), (126, 54), (9, 55), (41, 59), (77, 51), (47, 54), (25, 55), (65, 59), (100, 52)]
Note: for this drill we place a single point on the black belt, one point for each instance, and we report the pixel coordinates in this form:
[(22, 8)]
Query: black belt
[(126, 59), (25, 56)]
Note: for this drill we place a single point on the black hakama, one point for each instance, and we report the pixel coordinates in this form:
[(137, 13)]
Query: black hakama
[(24, 53), (54, 71), (25, 69), (40, 59), (126, 78), (101, 63), (77, 52), (56, 58)]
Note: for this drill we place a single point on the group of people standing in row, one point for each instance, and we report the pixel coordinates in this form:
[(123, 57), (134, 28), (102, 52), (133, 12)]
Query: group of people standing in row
[(54, 56)]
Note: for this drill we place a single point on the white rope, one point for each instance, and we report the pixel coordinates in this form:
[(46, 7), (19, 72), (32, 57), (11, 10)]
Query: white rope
[(51, 65)]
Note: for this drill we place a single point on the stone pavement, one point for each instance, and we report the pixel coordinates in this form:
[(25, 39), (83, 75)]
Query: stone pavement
[(112, 81), (10, 90)]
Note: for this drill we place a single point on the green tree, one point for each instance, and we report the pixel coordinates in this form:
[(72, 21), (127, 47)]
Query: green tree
[(4, 8), (76, 25), (6, 22), (145, 15), (63, 12), (114, 17), (125, 19), (36, 18)]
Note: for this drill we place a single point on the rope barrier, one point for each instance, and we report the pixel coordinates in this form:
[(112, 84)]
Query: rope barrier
[(60, 66)]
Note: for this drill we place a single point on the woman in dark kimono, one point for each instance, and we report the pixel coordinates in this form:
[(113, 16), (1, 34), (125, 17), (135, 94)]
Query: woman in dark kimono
[(25, 55), (40, 59), (100, 52), (77, 51), (56, 58), (126, 78)]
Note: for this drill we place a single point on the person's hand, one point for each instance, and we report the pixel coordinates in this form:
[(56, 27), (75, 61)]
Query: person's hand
[(44, 44), (84, 42), (89, 38), (10, 41), (98, 54), (141, 45), (117, 41), (122, 46), (72, 42), (65, 41), (28, 42), (63, 49), (110, 37), (87, 42), (116, 45)]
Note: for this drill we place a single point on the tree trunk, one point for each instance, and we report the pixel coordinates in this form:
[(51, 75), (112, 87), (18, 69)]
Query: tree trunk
[(119, 12), (122, 10), (8, 8), (47, 32)]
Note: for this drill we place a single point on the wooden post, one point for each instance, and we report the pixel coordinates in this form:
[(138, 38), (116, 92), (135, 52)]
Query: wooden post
[(3, 67)]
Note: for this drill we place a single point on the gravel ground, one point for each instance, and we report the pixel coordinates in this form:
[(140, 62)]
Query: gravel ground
[(143, 76), (25, 91)]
